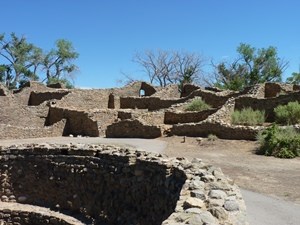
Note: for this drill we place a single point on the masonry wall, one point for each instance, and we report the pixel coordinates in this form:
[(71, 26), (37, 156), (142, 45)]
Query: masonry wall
[(19, 217), (36, 98), (151, 103), (114, 188), (187, 117), (77, 122), (223, 131), (132, 128)]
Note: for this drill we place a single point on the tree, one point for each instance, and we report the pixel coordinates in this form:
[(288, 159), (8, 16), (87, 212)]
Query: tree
[(20, 59), (253, 66), (58, 62), (294, 79), (170, 67)]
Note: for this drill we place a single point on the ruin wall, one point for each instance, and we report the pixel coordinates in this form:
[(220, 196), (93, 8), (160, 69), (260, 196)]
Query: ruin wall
[(112, 185)]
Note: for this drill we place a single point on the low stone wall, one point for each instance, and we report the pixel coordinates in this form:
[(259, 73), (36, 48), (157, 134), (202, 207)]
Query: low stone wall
[(17, 132), (111, 185), (224, 131), (132, 128), (20, 214), (36, 98), (187, 117)]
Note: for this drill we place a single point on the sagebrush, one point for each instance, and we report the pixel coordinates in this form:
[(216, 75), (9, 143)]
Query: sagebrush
[(197, 105), (288, 114), (282, 142), (248, 116)]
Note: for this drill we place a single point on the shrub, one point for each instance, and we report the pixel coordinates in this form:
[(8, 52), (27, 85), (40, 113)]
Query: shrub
[(248, 116), (279, 142), (212, 137), (288, 114), (197, 105)]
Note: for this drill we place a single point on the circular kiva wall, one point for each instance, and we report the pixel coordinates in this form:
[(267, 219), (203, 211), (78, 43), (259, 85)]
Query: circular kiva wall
[(112, 185)]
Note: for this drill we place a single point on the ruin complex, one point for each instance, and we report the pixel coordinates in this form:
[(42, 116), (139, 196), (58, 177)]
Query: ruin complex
[(97, 184)]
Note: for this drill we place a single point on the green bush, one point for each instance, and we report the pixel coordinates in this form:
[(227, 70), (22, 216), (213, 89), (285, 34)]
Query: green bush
[(288, 114), (212, 137), (279, 142), (197, 105), (248, 116)]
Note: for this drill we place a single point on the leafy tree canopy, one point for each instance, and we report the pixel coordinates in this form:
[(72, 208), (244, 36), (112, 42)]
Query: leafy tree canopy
[(294, 79), (23, 61), (252, 66)]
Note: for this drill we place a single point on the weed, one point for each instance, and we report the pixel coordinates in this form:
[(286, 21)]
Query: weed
[(279, 142), (248, 116), (197, 105), (288, 114)]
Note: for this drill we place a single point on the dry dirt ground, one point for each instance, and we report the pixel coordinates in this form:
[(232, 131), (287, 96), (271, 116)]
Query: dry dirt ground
[(267, 175)]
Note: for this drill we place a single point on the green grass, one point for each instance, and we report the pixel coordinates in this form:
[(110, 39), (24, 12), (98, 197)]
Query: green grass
[(288, 114), (197, 105), (248, 117), (279, 142)]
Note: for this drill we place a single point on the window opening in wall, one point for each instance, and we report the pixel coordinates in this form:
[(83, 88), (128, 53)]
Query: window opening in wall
[(142, 93)]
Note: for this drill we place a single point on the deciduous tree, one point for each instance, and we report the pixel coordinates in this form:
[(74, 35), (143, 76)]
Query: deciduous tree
[(251, 67), (170, 67), (20, 60)]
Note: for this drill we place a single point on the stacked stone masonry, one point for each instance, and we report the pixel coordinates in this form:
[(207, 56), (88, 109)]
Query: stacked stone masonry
[(110, 185), (40, 111)]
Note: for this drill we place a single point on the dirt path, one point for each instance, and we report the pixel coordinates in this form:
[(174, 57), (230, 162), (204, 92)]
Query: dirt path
[(267, 175)]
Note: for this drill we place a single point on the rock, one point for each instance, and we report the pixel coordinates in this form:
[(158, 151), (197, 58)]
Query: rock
[(198, 194), (195, 220), (193, 203), (217, 194), (22, 199), (196, 184), (219, 212), (194, 210), (213, 202), (4, 198), (208, 218), (231, 205)]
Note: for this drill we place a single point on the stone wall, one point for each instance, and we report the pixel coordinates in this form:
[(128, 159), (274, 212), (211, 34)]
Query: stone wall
[(19, 132), (148, 89), (111, 185), (215, 100), (188, 89), (266, 104), (77, 122), (15, 114), (132, 128), (221, 130), (36, 98), (187, 117), (20, 214), (150, 103)]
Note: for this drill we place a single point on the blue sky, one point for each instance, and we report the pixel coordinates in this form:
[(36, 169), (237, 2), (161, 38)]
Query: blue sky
[(107, 33)]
